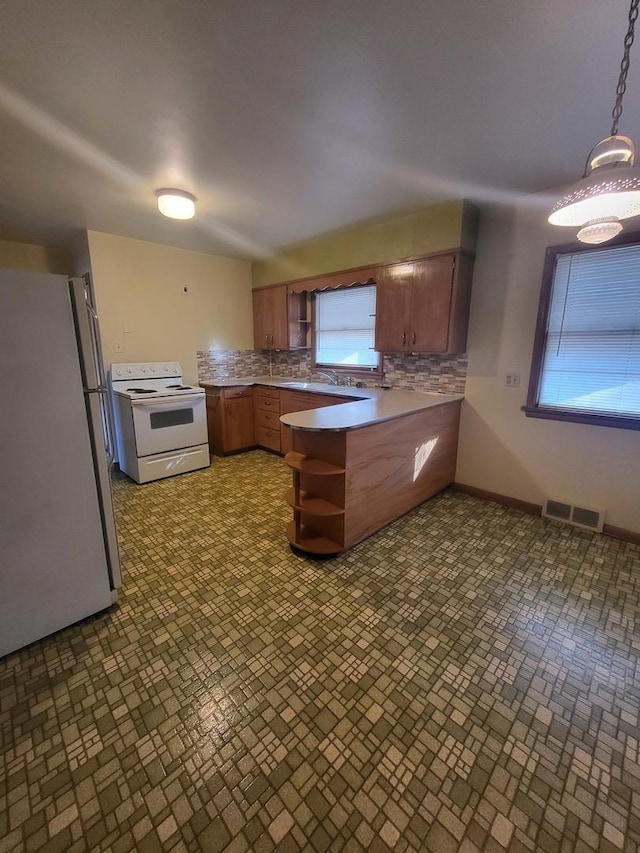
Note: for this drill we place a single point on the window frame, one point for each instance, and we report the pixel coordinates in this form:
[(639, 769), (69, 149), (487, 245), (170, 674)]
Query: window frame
[(532, 409), (357, 371)]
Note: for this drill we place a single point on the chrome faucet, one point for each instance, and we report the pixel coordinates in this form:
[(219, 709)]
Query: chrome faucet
[(331, 375)]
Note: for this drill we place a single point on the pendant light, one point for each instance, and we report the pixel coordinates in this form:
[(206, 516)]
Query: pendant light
[(610, 187), (176, 204)]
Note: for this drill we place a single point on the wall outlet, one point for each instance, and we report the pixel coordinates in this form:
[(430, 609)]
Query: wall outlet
[(512, 380)]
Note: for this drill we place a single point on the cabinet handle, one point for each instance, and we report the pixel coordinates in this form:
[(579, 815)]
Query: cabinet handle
[(404, 338), (266, 340), (413, 340)]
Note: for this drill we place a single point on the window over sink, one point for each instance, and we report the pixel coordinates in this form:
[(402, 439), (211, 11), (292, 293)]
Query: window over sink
[(344, 329)]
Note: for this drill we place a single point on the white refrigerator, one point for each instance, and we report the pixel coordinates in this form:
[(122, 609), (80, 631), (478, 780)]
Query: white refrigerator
[(58, 547)]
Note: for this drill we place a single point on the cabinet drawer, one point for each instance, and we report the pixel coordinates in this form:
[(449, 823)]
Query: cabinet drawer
[(268, 419), (237, 391), (268, 404), (268, 438), (301, 401), (264, 391)]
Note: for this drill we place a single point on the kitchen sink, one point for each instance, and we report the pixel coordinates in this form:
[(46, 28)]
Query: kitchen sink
[(301, 384)]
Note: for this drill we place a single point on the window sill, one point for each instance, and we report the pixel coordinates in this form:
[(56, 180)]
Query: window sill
[(591, 418)]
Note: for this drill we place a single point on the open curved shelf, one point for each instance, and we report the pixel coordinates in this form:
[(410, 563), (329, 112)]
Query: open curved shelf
[(312, 504), (309, 465), (311, 541)]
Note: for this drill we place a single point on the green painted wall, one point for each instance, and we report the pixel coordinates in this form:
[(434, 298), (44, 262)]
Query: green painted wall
[(432, 229)]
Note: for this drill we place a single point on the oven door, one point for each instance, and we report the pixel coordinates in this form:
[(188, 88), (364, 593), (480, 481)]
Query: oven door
[(169, 423)]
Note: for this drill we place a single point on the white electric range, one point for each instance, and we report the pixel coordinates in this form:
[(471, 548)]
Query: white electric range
[(161, 423)]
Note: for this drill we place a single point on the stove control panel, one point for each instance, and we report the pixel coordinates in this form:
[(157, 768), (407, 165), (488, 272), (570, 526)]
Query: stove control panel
[(146, 369)]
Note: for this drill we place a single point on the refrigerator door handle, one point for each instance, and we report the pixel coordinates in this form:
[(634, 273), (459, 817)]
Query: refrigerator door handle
[(107, 423), (94, 327), (98, 413), (91, 356), (88, 344)]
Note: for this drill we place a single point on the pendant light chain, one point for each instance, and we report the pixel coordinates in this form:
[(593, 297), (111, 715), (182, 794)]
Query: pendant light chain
[(609, 191), (624, 67)]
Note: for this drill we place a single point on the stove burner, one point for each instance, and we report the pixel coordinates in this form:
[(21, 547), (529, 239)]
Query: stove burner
[(180, 387), (141, 390)]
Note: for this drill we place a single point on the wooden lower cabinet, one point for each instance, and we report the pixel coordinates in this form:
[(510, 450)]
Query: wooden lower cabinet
[(242, 416), (267, 417), (303, 401), (347, 484), (230, 419)]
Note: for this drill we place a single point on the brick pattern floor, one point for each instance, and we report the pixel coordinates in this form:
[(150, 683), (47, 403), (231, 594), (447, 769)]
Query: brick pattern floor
[(467, 679)]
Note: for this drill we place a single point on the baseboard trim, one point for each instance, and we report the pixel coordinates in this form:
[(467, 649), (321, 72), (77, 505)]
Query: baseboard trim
[(505, 500), (536, 509), (621, 533)]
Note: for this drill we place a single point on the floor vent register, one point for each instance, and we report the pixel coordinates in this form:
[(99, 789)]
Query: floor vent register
[(578, 516)]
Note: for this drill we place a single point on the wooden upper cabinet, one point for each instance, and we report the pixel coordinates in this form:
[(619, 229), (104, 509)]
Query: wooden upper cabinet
[(423, 306), (431, 304), (270, 318), (393, 307), (279, 319)]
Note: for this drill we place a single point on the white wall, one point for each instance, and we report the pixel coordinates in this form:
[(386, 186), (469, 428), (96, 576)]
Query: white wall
[(145, 314), (501, 450)]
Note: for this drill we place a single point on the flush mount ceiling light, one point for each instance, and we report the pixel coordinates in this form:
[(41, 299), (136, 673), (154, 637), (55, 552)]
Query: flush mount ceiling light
[(610, 187), (176, 204)]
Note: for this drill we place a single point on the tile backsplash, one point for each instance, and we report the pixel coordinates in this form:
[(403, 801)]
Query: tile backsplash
[(446, 374), (230, 364)]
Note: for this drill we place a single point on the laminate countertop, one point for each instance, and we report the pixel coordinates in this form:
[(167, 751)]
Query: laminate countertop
[(369, 406)]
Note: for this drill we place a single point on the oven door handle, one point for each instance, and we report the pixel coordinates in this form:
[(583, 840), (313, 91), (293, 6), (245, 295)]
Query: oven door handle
[(174, 401)]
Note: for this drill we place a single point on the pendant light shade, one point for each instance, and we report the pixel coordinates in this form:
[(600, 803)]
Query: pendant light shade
[(176, 204), (599, 230), (610, 187)]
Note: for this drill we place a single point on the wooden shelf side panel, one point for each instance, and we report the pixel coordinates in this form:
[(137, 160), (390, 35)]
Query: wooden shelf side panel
[(312, 504), (311, 541), (395, 466), (311, 465), (325, 445)]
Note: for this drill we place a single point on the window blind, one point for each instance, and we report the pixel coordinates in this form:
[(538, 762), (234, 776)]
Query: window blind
[(344, 327), (592, 355)]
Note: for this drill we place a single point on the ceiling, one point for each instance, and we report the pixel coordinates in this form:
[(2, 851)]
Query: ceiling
[(291, 118)]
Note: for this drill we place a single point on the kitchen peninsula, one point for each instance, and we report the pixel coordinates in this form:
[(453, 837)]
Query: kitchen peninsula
[(359, 461)]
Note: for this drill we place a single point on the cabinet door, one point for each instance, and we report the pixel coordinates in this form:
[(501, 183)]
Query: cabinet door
[(239, 432), (431, 304), (286, 439), (393, 307), (270, 318), (261, 311), (279, 325), (214, 420)]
